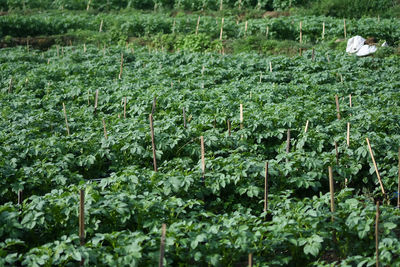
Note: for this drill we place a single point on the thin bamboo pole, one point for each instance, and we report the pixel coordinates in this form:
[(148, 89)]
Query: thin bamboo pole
[(375, 166), (162, 245), (82, 217), (241, 116), (377, 234), (222, 28), (337, 106), (125, 107), (348, 134), (197, 26), (306, 128), (203, 164), (66, 119), (153, 143), (266, 187)]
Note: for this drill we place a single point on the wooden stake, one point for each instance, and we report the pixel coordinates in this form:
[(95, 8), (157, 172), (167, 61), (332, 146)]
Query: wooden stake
[(241, 116), (350, 101), (66, 120), (95, 100), (153, 143), (250, 260), (288, 141), (306, 128), (101, 26), (323, 30), (266, 187), (84, 48), (267, 32), (348, 134), (162, 245), (337, 106), (20, 197), (82, 217), (313, 54), (197, 26), (301, 34), (58, 51), (377, 234), (220, 5), (337, 153), (10, 85), (344, 28), (153, 108), (105, 129), (331, 189), (88, 5), (245, 29), (270, 66), (184, 117), (398, 184), (222, 27), (375, 166), (125, 107), (229, 127), (121, 67), (203, 164)]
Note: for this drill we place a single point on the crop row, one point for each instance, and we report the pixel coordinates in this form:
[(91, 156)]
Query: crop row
[(120, 27)]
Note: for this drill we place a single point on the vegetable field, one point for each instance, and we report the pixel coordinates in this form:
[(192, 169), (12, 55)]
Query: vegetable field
[(119, 155)]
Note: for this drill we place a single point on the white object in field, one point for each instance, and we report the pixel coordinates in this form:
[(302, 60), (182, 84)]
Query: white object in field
[(384, 44), (366, 50), (354, 44)]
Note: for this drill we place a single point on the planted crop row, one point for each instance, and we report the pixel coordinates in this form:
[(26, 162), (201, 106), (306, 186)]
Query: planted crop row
[(120, 27)]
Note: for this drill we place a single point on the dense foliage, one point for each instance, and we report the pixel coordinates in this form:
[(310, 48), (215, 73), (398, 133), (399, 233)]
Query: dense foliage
[(216, 222)]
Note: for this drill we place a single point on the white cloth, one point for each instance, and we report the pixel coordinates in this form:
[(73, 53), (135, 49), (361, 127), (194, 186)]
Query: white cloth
[(366, 50), (354, 44)]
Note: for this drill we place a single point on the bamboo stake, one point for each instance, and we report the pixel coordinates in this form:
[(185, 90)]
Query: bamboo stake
[(84, 48), (375, 166), (313, 54), (229, 127), (241, 116), (101, 26), (323, 30), (348, 134), (306, 128), (66, 120), (222, 28), (331, 189), (245, 29), (337, 106), (344, 28), (20, 197), (121, 67), (125, 107), (301, 34), (337, 153), (377, 234), (10, 85), (350, 101), (266, 187), (184, 117), (162, 245), (250, 260), (82, 217), (88, 5), (267, 32), (203, 164), (220, 5), (58, 50), (270, 66), (398, 184), (153, 143), (153, 108), (105, 129), (288, 141), (95, 100), (197, 26)]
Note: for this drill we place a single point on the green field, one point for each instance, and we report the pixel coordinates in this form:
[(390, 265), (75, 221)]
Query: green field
[(75, 105)]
